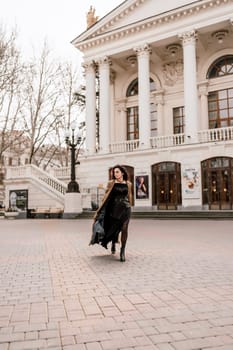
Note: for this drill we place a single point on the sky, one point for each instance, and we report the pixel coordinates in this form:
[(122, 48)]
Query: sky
[(57, 21)]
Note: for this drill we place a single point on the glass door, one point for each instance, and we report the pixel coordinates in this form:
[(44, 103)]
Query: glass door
[(166, 185), (167, 192), (162, 191), (217, 183), (225, 189), (214, 191), (220, 189)]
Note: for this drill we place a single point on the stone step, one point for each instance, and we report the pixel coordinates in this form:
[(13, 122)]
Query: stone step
[(172, 214)]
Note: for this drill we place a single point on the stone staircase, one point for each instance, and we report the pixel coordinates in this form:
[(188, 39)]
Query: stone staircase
[(44, 184)]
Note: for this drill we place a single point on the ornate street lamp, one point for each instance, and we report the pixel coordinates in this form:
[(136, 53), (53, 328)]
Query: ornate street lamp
[(72, 141)]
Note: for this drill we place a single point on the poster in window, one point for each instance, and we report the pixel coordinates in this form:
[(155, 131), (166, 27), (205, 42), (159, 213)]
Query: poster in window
[(142, 187), (190, 181), (18, 199)]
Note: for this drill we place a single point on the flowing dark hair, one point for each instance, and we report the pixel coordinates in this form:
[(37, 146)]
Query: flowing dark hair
[(122, 169)]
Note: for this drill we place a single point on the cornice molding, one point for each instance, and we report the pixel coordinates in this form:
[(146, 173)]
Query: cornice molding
[(126, 12), (99, 37)]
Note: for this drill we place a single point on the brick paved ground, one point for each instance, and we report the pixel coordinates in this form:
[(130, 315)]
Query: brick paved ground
[(174, 292)]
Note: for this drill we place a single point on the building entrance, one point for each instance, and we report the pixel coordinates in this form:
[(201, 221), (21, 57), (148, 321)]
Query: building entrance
[(217, 183), (166, 185)]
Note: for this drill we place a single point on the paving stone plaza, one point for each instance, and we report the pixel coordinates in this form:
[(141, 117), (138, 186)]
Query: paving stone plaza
[(174, 292)]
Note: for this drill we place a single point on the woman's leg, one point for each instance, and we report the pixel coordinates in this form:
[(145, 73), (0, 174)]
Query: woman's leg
[(124, 236), (112, 229), (113, 247), (116, 239)]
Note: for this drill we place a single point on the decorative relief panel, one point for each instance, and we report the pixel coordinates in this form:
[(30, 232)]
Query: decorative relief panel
[(172, 72)]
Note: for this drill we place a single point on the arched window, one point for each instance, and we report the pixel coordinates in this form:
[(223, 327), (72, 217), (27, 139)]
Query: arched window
[(132, 112), (220, 102), (133, 88), (222, 66)]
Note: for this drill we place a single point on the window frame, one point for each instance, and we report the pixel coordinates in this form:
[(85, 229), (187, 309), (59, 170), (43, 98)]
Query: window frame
[(179, 129)]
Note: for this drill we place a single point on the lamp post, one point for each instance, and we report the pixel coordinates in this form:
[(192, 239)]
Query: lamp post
[(73, 198), (72, 142)]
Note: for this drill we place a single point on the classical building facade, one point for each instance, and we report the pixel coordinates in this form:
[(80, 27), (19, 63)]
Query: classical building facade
[(159, 100), (160, 74)]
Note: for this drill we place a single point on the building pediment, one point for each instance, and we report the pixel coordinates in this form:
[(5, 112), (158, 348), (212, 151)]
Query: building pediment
[(130, 14)]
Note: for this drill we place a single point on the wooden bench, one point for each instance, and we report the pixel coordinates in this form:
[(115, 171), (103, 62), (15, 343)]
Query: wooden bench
[(45, 212)]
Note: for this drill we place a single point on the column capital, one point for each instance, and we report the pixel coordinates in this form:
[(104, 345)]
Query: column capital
[(89, 66), (143, 50), (188, 37), (120, 105), (104, 61), (203, 88), (159, 96)]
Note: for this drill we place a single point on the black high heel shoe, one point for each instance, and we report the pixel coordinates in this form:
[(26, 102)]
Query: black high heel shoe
[(104, 244), (122, 254)]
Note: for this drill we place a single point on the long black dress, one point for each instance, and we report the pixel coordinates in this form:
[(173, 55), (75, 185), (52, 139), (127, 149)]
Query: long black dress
[(117, 212)]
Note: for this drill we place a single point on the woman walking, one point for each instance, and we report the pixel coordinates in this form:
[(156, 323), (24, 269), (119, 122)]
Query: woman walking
[(114, 212)]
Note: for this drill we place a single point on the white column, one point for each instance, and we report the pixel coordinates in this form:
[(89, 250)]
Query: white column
[(90, 108), (190, 86), (120, 126), (203, 93), (143, 54), (112, 120), (159, 102), (104, 108)]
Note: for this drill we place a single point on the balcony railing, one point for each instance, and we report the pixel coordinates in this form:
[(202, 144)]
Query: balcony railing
[(213, 135), (167, 141), (124, 146), (158, 142)]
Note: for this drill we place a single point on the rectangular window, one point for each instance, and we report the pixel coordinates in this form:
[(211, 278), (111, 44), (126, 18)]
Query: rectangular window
[(132, 123), (220, 108), (178, 120), (153, 120)]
